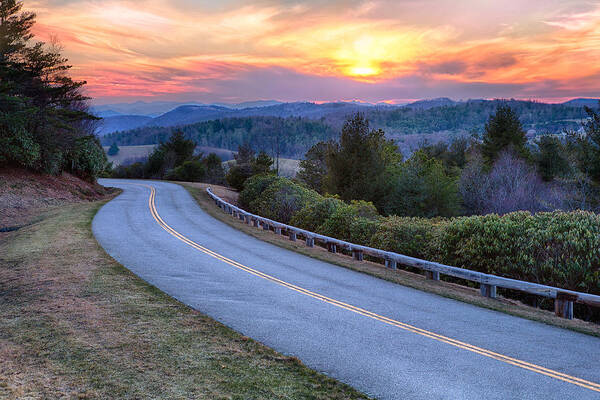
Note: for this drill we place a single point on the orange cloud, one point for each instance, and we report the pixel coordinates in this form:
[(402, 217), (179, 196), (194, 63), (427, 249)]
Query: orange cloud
[(162, 48)]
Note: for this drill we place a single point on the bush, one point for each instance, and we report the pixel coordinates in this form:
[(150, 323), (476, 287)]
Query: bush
[(189, 171), (343, 222), (312, 216), (87, 158), (17, 145), (557, 248), (282, 199), (253, 189), (415, 237)]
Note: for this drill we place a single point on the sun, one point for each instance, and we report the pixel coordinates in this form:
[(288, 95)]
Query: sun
[(363, 71)]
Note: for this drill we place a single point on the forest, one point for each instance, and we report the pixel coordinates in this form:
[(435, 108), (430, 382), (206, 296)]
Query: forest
[(295, 135)]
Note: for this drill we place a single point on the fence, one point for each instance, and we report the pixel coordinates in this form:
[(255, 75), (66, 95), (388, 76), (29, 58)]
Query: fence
[(563, 299)]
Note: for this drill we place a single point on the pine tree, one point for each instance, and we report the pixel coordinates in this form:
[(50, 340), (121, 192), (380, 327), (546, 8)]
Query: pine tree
[(503, 131), (113, 150), (42, 112)]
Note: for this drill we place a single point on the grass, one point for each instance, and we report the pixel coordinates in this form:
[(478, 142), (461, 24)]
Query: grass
[(402, 277), (76, 324)]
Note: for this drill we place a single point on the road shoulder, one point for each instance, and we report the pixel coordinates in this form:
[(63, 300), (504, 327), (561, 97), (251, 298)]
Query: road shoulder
[(75, 323)]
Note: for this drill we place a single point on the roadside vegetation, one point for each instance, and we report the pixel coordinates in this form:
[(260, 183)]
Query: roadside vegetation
[(496, 205), (406, 277), (44, 121), (76, 324)]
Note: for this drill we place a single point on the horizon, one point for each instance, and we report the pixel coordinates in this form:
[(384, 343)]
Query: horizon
[(232, 52)]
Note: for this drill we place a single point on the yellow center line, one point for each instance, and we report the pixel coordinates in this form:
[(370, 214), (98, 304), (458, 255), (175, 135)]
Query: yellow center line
[(432, 335)]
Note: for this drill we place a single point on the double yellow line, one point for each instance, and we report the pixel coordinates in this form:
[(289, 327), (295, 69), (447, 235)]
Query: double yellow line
[(432, 335)]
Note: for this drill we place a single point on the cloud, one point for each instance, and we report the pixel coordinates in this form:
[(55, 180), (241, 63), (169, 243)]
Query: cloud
[(327, 50)]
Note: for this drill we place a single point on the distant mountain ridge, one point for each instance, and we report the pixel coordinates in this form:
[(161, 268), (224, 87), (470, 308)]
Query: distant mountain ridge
[(186, 114)]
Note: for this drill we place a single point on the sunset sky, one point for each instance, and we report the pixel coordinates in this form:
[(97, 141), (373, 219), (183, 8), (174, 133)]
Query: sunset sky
[(394, 51)]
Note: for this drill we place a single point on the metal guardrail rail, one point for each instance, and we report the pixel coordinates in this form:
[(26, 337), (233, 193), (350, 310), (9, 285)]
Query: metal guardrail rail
[(563, 298)]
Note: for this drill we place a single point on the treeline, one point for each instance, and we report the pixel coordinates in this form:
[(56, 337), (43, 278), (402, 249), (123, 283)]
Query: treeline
[(292, 136), (500, 173), (44, 121), (472, 115), (175, 160)]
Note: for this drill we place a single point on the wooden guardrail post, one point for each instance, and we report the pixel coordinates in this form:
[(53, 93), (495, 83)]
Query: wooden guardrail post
[(310, 242), (292, 236), (265, 226), (278, 230), (255, 223), (358, 255), (488, 290), (392, 264), (563, 305), (432, 275), (332, 248)]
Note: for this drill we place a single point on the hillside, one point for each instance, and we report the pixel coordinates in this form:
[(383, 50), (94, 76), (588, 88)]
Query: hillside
[(116, 123), (295, 134), (431, 120), (24, 194)]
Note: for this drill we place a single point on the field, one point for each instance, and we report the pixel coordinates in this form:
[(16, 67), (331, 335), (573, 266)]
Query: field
[(76, 324), (127, 154), (287, 167)]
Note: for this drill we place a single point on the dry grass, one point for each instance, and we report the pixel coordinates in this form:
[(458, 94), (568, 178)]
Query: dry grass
[(128, 153), (76, 324), (402, 277)]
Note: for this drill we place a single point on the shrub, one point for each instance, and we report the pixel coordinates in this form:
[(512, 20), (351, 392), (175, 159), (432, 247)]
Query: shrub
[(253, 189), (556, 248), (342, 222), (189, 171), (87, 158), (312, 216), (415, 237), (282, 199)]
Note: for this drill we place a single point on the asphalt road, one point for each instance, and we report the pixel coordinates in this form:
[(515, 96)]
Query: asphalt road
[(386, 340)]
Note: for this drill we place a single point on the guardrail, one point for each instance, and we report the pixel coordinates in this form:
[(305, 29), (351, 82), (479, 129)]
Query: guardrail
[(563, 298)]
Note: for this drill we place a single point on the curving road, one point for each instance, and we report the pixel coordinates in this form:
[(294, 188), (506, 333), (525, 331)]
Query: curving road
[(386, 340)]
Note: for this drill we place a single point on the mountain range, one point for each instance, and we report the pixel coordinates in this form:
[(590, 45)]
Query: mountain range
[(127, 116)]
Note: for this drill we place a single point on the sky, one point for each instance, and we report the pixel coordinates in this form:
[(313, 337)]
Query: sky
[(391, 51)]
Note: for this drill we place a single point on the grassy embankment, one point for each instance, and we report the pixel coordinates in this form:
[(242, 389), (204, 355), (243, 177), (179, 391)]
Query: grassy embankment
[(76, 324), (405, 278)]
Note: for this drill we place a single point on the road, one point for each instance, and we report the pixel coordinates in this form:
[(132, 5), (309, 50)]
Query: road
[(389, 341)]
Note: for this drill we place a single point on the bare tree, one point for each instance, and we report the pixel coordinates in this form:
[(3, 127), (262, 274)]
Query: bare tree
[(510, 185)]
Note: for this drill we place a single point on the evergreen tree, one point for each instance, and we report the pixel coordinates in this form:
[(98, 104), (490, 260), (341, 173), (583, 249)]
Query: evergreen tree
[(502, 131), (44, 123), (313, 169), (359, 165), (586, 148), (113, 150), (550, 157)]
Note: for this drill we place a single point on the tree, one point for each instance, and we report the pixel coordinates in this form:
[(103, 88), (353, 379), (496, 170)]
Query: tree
[(313, 169), (586, 148), (510, 185), (170, 155), (502, 131), (113, 150), (423, 188), (359, 165), (214, 169), (48, 114), (550, 157), (261, 164)]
